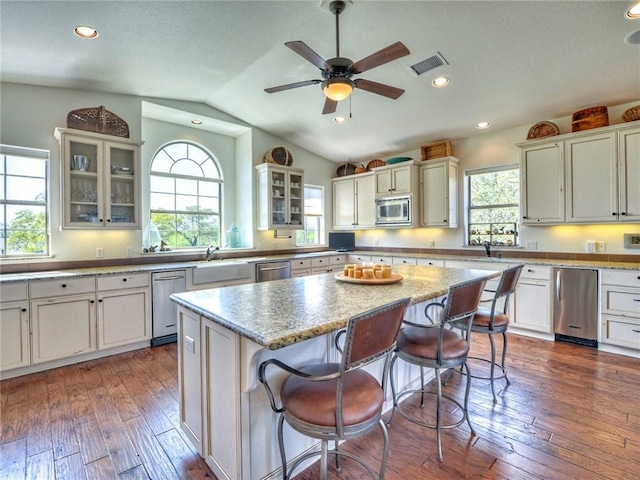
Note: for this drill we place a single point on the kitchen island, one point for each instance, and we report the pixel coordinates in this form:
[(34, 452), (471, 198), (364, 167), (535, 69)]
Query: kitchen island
[(225, 333)]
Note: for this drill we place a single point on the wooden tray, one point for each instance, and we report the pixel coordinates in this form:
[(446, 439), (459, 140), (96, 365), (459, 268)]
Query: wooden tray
[(394, 278)]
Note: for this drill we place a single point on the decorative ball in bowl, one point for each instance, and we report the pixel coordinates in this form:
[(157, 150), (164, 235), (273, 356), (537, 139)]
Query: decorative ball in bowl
[(119, 170)]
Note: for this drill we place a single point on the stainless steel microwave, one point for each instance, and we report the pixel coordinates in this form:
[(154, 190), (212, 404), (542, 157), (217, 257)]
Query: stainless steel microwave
[(393, 211)]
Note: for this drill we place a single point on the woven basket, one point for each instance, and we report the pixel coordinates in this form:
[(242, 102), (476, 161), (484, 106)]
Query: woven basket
[(376, 162), (589, 118), (279, 155), (346, 169), (632, 114), (98, 120), (436, 150), (543, 129)]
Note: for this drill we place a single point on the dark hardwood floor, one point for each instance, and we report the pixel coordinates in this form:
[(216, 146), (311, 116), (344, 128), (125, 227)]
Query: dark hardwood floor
[(571, 412)]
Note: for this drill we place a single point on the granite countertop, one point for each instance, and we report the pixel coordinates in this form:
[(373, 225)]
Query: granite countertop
[(284, 312)]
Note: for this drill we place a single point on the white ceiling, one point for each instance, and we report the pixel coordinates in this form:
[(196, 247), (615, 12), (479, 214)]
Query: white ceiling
[(511, 63)]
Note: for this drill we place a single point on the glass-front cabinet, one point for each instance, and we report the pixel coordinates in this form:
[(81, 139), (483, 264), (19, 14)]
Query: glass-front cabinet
[(100, 180), (280, 197)]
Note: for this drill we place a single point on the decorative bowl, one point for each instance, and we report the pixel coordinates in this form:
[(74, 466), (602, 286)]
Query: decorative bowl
[(117, 169), (80, 163), (398, 159)]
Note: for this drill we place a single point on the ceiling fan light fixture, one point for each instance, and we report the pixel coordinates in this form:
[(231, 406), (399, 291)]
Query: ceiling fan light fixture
[(337, 89)]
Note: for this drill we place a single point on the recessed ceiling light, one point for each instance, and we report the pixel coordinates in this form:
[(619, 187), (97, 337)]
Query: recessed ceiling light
[(83, 31), (196, 122), (482, 125), (440, 82), (634, 12), (339, 119)]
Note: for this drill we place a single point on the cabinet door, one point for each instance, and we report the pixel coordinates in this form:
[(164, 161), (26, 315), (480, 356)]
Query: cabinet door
[(62, 327), (122, 195), (365, 201), (343, 205), (591, 179), (401, 181), (295, 204), (629, 181), (533, 306), (123, 317), (14, 335), (189, 376), (438, 195), (542, 186)]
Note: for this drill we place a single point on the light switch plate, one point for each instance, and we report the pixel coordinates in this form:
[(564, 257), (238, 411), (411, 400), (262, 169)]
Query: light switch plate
[(632, 240)]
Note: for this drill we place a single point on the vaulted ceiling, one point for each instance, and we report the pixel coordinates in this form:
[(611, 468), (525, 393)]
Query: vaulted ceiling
[(510, 63)]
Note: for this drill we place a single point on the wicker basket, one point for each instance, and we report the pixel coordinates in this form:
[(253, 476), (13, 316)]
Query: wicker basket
[(632, 114), (279, 155), (376, 162), (98, 120), (436, 150), (589, 118), (346, 169), (543, 129)]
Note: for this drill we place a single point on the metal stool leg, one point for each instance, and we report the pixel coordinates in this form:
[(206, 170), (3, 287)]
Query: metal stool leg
[(438, 402), (493, 367), (466, 398), (283, 456), (504, 356)]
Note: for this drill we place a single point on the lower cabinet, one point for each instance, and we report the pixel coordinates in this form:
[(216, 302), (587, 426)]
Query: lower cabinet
[(14, 335), (300, 267), (123, 317), (620, 309), (62, 327), (533, 306)]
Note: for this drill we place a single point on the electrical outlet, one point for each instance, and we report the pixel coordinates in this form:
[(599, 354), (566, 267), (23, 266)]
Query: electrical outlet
[(189, 344), (601, 247), (99, 252), (591, 246), (532, 245), (129, 251), (375, 242), (432, 243)]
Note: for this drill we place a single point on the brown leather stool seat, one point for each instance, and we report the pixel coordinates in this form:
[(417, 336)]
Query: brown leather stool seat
[(483, 319)]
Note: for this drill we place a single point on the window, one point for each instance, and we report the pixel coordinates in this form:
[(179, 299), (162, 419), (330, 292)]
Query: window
[(313, 233), (185, 196), (493, 196), (24, 222)]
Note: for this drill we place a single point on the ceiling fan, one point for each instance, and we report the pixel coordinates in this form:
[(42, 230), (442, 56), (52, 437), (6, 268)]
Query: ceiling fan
[(337, 73)]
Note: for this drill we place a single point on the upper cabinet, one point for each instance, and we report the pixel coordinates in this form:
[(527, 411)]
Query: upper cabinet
[(354, 202), (583, 177), (100, 180), (439, 193), (280, 197), (396, 179)]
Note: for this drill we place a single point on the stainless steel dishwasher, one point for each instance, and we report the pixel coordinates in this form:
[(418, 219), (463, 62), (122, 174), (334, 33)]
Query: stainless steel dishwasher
[(272, 271), (164, 312), (575, 305)]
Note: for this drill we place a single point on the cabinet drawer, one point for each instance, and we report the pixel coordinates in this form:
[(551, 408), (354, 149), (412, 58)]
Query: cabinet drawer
[(382, 259), (13, 292), (621, 301), (430, 262), (55, 288), (117, 282), (338, 259), (320, 261), (630, 278), (359, 258), (625, 334), (404, 261), (300, 263), (536, 272)]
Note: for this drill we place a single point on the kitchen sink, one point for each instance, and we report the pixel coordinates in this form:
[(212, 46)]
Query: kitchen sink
[(220, 271)]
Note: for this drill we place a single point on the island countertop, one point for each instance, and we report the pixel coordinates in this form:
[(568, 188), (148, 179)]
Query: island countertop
[(283, 312)]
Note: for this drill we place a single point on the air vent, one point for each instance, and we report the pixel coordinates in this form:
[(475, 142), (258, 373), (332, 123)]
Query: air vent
[(430, 63)]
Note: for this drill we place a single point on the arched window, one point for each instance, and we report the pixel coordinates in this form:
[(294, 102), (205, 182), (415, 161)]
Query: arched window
[(185, 196)]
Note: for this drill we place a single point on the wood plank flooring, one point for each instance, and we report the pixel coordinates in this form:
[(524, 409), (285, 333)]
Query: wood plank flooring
[(571, 412)]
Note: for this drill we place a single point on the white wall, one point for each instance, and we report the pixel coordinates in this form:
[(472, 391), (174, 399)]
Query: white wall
[(500, 147)]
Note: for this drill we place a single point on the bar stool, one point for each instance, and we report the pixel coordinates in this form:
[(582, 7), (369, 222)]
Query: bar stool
[(495, 320), (335, 402), (438, 346)]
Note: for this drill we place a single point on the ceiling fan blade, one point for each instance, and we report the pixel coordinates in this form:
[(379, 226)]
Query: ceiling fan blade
[(378, 88), (329, 106), (289, 86), (306, 52), (386, 55)]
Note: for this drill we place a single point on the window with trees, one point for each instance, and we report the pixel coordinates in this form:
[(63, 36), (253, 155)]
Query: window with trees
[(493, 205), (24, 223), (313, 233), (186, 196)]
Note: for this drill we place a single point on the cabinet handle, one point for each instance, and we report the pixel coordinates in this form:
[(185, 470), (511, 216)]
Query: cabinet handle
[(23, 310), (64, 285), (623, 213), (529, 270), (636, 299), (614, 214), (524, 217), (101, 220), (108, 220), (92, 301), (99, 301), (124, 279), (445, 220), (636, 331)]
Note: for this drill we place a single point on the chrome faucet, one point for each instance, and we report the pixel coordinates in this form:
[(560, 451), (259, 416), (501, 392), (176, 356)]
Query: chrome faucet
[(211, 252), (487, 247)]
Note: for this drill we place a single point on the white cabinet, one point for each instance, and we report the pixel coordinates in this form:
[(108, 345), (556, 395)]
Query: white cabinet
[(533, 306), (620, 308), (542, 184), (591, 179), (300, 267), (396, 179), (439, 193), (354, 202), (14, 326), (629, 175), (107, 193), (430, 262), (124, 309), (280, 197), (328, 264)]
